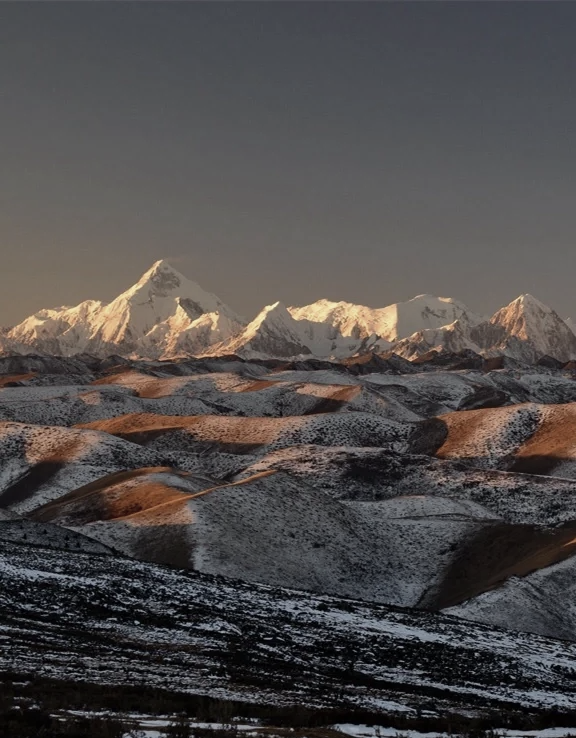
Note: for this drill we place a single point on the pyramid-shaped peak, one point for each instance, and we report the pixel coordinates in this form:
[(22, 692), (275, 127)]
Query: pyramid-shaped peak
[(161, 269), (526, 302), (277, 312), (162, 280)]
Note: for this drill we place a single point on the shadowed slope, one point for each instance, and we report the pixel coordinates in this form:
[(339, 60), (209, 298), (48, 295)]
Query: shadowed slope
[(41, 463), (494, 554)]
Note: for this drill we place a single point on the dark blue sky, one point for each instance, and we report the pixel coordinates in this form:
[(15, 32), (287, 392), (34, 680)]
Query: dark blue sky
[(358, 151)]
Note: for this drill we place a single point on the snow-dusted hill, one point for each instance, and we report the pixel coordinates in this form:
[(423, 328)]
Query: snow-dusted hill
[(443, 484), (42, 463), (241, 435), (243, 487), (413, 484), (526, 438), (153, 633), (274, 529)]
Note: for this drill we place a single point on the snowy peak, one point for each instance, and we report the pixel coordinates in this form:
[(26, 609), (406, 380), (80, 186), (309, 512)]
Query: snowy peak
[(525, 307), (162, 296), (160, 280), (277, 312), (147, 319), (165, 314), (541, 329), (273, 332), (164, 283), (273, 320), (162, 270)]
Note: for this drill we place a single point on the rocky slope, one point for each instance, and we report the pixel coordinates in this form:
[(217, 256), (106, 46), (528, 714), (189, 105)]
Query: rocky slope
[(78, 620)]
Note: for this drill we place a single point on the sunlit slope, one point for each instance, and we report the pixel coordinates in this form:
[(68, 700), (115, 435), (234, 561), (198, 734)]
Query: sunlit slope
[(528, 438), (244, 434)]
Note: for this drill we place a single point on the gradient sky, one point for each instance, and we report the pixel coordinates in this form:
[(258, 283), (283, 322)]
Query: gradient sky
[(355, 151)]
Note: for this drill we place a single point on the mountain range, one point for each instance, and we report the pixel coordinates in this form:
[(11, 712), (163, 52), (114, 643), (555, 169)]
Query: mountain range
[(165, 315)]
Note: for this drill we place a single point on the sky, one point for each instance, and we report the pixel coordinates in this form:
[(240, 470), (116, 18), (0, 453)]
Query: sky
[(360, 151)]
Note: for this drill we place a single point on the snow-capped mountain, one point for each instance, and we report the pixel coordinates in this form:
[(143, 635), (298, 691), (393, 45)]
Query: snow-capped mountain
[(163, 312), (392, 323), (165, 315), (273, 332), (526, 330), (341, 329), (58, 330), (277, 332), (541, 330)]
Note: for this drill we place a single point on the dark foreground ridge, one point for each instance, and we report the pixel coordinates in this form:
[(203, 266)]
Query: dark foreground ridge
[(103, 620)]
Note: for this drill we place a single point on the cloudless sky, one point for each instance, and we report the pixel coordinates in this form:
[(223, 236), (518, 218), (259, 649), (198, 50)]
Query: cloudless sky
[(355, 151)]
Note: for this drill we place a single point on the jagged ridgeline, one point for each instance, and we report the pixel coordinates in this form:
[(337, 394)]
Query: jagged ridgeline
[(166, 315)]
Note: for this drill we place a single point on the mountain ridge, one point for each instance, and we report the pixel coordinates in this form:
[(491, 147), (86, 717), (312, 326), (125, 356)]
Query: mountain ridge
[(166, 315)]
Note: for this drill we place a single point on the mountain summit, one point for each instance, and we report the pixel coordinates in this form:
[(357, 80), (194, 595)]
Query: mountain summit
[(541, 330), (153, 315)]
